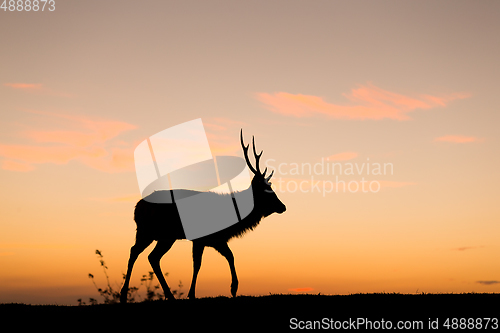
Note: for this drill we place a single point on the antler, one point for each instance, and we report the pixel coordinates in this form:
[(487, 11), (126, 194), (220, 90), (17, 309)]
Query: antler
[(257, 159), (257, 156)]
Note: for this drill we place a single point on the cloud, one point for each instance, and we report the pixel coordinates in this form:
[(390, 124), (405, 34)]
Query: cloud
[(464, 248), (366, 102), (31, 154), (342, 156), (458, 139), (488, 283), (115, 160), (89, 141), (16, 166), (25, 86), (37, 88), (90, 131), (222, 123), (222, 134), (301, 290), (96, 132)]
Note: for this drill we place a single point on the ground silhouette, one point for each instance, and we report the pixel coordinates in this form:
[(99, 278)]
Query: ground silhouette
[(272, 312)]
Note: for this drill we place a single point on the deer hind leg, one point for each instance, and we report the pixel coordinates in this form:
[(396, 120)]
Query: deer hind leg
[(140, 245), (226, 252), (154, 257), (197, 255)]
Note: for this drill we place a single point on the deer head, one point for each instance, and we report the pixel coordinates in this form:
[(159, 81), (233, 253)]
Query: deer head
[(265, 198)]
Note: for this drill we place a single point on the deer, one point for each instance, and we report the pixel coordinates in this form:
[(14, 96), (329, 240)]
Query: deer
[(160, 222)]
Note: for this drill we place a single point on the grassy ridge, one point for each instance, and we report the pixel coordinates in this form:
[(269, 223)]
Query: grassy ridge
[(269, 312)]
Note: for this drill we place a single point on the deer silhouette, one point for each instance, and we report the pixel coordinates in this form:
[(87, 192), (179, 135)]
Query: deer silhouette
[(161, 222)]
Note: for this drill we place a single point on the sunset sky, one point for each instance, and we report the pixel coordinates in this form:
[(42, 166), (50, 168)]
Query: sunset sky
[(343, 85)]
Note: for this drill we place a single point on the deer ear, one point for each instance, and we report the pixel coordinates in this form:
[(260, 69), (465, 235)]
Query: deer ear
[(264, 173), (269, 178)]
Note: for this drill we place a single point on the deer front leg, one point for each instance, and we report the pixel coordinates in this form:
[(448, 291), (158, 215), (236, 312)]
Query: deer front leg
[(138, 248), (197, 254), (224, 249), (154, 259)]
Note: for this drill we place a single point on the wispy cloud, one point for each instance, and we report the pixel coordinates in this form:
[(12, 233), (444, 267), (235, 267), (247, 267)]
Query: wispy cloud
[(16, 166), (301, 290), (365, 102), (222, 135), (488, 282), (465, 248), (60, 138), (458, 139), (48, 154), (37, 88), (221, 123), (96, 132), (24, 86), (90, 141)]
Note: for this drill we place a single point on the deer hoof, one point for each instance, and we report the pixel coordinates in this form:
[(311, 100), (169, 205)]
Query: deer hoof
[(123, 298), (234, 289)]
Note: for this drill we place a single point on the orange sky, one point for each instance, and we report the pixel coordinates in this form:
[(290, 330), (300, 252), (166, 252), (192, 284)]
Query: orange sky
[(410, 85)]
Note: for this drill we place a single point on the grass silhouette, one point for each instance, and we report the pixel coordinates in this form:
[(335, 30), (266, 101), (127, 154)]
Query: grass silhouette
[(112, 295)]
